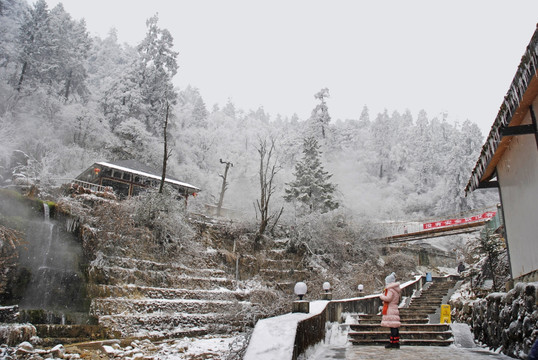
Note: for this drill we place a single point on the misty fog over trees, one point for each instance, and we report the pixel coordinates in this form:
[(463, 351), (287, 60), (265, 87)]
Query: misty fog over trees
[(68, 100)]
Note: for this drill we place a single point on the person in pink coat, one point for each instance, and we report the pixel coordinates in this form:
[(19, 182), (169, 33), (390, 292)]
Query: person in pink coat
[(391, 314)]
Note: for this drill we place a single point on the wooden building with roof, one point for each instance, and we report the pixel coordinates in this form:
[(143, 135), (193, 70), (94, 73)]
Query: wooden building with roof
[(509, 161), (129, 178)]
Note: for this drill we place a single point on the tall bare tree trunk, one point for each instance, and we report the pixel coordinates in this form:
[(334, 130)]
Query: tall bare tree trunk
[(268, 170), (166, 153), (21, 78), (224, 184)]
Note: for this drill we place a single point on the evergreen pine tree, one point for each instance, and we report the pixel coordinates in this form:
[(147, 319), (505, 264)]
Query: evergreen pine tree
[(36, 42), (311, 188), (156, 68), (320, 115)]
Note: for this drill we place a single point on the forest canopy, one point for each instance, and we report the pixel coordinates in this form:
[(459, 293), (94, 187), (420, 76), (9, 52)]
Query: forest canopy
[(68, 99)]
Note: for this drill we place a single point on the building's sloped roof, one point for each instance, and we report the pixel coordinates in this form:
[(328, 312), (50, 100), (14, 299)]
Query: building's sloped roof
[(514, 106), (140, 169)]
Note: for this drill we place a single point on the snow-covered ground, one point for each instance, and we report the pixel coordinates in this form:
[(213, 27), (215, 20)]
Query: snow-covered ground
[(221, 347)]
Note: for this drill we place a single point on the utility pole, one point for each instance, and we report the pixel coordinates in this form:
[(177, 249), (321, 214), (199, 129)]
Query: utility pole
[(224, 184)]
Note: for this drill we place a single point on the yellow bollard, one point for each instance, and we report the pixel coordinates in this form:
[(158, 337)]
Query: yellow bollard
[(445, 314)]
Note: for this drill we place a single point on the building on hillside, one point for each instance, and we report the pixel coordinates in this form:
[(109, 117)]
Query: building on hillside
[(509, 161), (129, 178)]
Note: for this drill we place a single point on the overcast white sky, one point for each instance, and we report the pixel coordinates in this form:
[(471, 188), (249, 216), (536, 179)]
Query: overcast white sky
[(455, 56)]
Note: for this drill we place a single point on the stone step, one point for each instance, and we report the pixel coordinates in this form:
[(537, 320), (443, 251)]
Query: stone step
[(277, 254), (53, 334), (280, 264), (286, 286), (419, 308), (169, 325), (407, 335), (149, 292), (148, 265), (111, 306), (432, 296), (436, 291), (426, 302), (288, 274), (121, 276), (403, 342), (404, 327), (378, 316), (428, 298), (41, 316), (418, 320), (422, 311), (436, 287)]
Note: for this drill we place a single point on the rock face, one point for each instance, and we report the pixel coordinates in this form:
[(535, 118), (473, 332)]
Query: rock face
[(506, 321), (12, 334)]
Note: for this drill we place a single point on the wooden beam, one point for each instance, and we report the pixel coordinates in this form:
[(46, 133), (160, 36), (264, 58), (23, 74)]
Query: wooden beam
[(488, 184), (518, 130)]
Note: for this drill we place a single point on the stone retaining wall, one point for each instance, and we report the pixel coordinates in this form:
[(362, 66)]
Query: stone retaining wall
[(505, 321)]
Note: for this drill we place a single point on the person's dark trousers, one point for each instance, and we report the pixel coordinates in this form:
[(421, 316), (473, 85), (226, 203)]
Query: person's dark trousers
[(394, 339)]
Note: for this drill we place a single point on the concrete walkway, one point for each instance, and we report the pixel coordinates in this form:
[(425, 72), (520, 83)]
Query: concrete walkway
[(463, 348), (407, 353)]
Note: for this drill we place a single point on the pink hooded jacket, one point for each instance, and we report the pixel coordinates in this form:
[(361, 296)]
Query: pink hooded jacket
[(392, 298)]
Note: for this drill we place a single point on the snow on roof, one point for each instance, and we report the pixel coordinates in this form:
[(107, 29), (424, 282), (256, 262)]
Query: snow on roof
[(483, 170), (274, 338), (146, 174)]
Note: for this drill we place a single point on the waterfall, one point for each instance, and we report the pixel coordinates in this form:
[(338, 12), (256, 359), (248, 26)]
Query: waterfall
[(51, 261), (48, 232), (46, 212)]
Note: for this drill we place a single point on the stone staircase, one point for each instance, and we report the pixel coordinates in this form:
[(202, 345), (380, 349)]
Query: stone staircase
[(418, 321), (134, 297), (282, 269), (140, 298)]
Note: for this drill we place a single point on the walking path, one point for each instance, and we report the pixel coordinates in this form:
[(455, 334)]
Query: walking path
[(463, 348)]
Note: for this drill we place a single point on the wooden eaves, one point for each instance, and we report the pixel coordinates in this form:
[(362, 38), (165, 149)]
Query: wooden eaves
[(517, 103)]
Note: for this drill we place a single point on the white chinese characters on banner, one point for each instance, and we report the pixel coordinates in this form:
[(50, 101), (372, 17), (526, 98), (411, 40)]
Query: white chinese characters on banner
[(451, 222)]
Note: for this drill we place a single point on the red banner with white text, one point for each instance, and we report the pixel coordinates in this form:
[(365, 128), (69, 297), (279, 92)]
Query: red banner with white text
[(452, 222)]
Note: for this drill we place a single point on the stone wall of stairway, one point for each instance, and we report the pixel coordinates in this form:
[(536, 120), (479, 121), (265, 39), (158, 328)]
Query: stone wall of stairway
[(505, 321)]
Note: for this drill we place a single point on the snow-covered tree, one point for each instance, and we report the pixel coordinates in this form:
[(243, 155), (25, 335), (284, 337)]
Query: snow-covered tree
[(364, 118), (12, 13), (71, 48), (107, 61), (36, 46), (145, 90), (191, 110), (156, 68), (311, 189), (320, 117)]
